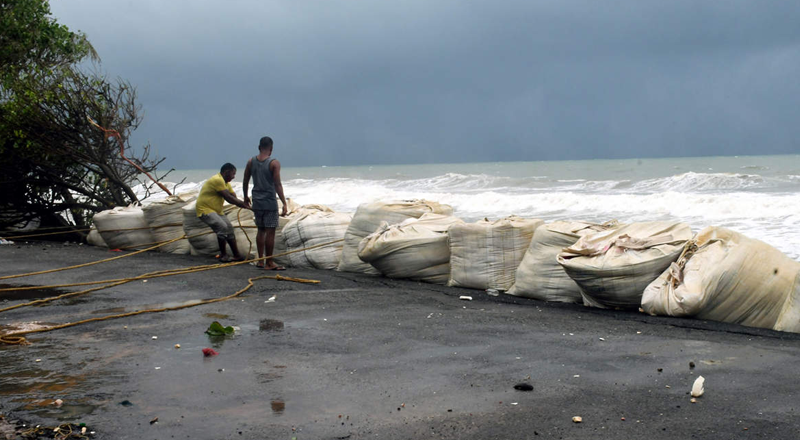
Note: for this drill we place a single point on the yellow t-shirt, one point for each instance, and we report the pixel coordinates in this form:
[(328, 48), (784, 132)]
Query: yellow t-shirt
[(209, 199)]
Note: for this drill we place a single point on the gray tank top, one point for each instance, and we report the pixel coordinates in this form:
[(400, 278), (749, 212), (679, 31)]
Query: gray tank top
[(263, 185)]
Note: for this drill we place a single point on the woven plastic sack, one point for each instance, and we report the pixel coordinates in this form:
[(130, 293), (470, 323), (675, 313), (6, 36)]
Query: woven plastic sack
[(539, 276), (486, 254), (368, 218), (124, 228), (314, 227), (725, 276), (165, 220), (94, 238), (204, 241), (416, 249), (613, 268)]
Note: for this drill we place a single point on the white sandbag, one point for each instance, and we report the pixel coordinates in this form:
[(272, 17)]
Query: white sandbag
[(200, 236), (314, 227), (416, 249), (94, 238), (124, 228), (244, 228), (539, 276), (725, 276), (204, 241), (165, 219), (613, 267), (368, 218), (485, 255)]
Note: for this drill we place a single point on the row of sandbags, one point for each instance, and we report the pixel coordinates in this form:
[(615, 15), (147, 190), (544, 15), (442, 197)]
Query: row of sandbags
[(175, 217), (656, 266)]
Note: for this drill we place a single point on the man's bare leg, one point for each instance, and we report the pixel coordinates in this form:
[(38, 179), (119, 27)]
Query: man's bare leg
[(269, 246), (223, 252), (261, 235), (235, 248)]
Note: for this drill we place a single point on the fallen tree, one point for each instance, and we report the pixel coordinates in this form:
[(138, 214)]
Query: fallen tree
[(57, 167)]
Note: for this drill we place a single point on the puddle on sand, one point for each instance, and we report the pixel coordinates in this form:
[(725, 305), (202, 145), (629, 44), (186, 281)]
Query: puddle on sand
[(30, 381), (24, 326), (278, 406), (67, 411), (270, 325), (36, 391), (137, 307), (24, 295)]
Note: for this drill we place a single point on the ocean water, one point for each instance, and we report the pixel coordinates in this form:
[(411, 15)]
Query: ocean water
[(758, 196)]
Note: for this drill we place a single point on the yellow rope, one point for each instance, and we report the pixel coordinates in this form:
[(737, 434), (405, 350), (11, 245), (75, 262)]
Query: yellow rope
[(17, 338), (91, 263), (15, 237), (150, 275)]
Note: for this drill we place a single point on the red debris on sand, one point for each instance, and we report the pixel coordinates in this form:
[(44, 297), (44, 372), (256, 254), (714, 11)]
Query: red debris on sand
[(209, 352), (115, 250)]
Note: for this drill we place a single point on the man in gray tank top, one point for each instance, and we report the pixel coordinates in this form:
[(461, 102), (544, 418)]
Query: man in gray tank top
[(266, 173)]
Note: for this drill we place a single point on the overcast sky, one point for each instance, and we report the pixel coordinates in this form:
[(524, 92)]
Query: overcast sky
[(420, 81)]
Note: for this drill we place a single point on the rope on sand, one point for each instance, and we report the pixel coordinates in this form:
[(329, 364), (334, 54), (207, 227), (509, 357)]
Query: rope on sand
[(158, 274), (17, 338)]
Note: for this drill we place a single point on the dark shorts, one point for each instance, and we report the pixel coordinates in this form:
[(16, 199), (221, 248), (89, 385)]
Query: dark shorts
[(219, 224), (266, 218)]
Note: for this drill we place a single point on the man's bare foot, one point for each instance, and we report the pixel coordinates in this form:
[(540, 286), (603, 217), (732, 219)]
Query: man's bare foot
[(274, 267), (225, 259)]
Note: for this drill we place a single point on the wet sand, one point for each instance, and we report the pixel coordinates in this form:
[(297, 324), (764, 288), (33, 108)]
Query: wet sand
[(361, 357)]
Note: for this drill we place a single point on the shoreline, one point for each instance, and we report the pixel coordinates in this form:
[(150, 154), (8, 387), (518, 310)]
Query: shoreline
[(397, 359)]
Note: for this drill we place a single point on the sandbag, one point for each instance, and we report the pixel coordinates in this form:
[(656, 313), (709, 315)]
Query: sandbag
[(725, 276), (416, 249), (368, 218), (613, 267), (539, 276), (485, 255), (124, 228), (94, 238), (314, 227), (165, 220), (204, 241)]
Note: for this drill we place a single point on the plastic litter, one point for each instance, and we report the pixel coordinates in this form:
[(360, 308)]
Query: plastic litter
[(207, 352), (577, 419), (699, 387), (465, 298)]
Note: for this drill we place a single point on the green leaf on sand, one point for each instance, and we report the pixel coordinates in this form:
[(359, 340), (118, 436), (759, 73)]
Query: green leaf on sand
[(216, 329)]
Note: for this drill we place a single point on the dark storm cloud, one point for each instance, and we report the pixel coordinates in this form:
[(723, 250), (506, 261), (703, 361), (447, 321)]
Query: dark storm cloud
[(354, 82)]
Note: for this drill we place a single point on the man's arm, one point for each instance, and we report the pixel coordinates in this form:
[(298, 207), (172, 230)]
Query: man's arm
[(232, 199), (275, 167), (246, 183)]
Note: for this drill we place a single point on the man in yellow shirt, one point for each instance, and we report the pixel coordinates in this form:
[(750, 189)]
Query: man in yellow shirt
[(215, 192)]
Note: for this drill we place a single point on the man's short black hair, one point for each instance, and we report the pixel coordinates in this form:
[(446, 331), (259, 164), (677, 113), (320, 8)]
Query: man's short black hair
[(265, 143), (227, 167)]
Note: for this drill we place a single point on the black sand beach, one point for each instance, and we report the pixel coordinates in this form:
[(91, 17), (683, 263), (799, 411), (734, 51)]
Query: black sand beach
[(358, 357)]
